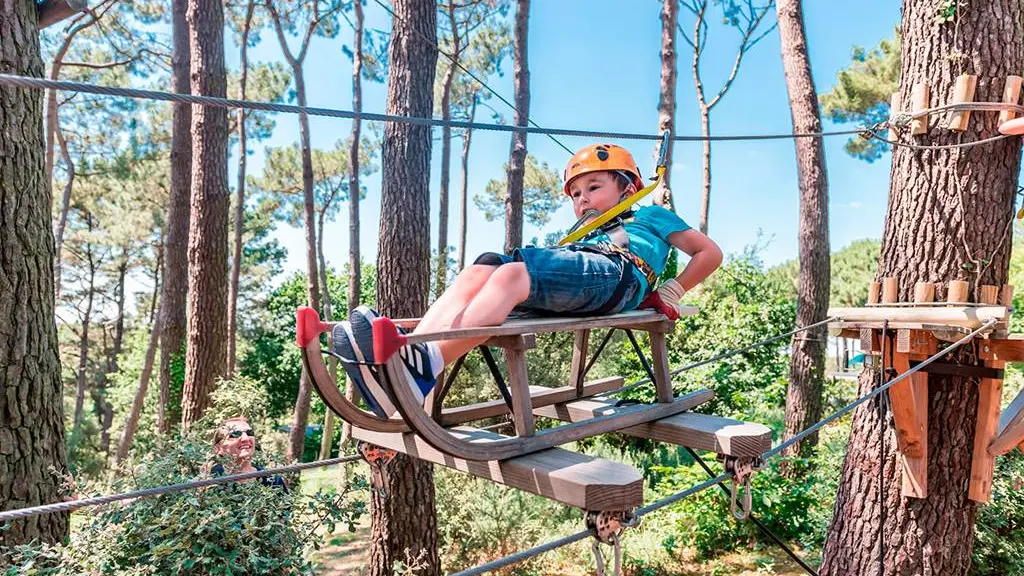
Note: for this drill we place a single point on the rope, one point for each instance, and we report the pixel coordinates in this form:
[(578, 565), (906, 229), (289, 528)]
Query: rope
[(727, 354), (159, 490), (66, 85)]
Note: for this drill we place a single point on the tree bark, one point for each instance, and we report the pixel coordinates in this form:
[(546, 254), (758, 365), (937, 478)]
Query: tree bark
[(948, 210), (355, 275), (517, 156), (81, 375), (667, 97), (327, 435), (118, 345), (208, 231), (446, 157), (464, 194), (236, 253), (807, 364), (404, 523), (31, 404), (705, 198), (174, 293)]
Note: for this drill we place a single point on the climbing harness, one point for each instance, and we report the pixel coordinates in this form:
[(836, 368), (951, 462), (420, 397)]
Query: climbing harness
[(378, 458), (607, 528), (742, 470), (586, 225)]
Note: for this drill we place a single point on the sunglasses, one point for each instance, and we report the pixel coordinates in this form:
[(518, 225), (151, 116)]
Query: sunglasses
[(240, 433)]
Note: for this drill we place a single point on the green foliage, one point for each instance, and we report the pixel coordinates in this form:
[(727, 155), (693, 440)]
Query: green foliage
[(853, 269), (739, 305), (999, 531), (542, 194), (862, 94)]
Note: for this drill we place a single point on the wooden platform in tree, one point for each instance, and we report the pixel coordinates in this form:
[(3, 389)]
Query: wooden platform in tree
[(568, 477), (699, 431), (539, 396)]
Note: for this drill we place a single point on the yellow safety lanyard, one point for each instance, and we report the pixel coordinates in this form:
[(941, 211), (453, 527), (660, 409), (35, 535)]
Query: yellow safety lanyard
[(579, 232)]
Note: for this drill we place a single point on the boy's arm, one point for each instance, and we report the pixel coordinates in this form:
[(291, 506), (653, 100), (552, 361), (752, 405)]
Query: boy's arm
[(705, 256)]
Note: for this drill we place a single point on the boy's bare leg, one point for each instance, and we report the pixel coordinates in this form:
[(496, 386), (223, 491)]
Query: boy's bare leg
[(506, 287), (444, 310)]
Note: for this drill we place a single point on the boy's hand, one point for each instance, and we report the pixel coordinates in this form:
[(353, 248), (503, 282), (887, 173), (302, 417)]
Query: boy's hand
[(666, 299)]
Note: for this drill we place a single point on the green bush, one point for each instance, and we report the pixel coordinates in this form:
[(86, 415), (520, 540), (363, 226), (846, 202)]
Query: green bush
[(999, 531)]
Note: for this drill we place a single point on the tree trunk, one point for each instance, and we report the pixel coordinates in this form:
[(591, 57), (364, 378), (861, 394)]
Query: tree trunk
[(297, 436), (935, 535), (464, 195), (405, 523), (81, 375), (31, 407), (131, 424), (236, 253), (115, 352), (705, 201), (517, 157), (327, 435), (667, 97), (446, 158), (174, 294), (354, 259), (807, 364), (208, 232), (65, 204)]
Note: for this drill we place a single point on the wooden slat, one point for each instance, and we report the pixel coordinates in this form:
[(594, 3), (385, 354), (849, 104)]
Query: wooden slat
[(907, 401), (963, 91), (1011, 95), (698, 431), (1008, 349), (539, 396), (990, 392), (915, 470), (918, 102), (637, 319), (567, 477), (917, 317)]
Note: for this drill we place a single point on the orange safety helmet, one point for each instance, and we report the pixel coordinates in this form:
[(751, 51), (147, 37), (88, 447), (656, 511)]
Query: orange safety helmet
[(600, 158)]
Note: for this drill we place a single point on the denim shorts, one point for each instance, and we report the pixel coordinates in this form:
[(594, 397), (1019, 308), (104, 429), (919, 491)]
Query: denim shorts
[(568, 280)]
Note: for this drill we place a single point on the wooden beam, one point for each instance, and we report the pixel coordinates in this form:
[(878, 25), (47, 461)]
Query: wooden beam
[(909, 400), (698, 431), (539, 396), (1011, 95), (920, 345), (1008, 349), (990, 392), (659, 363), (1010, 431), (519, 386), (919, 101), (51, 12), (568, 477), (962, 92)]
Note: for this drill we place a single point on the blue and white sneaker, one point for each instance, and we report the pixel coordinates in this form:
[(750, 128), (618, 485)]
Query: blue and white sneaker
[(415, 357), (363, 376)]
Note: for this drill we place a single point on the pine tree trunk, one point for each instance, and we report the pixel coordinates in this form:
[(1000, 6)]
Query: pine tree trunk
[(355, 276), (924, 240), (208, 231), (667, 97), (131, 424), (239, 229), (65, 205), (464, 194), (31, 407), (517, 157), (405, 524), (115, 351), (705, 200), (174, 293), (807, 364), (327, 435), (81, 375), (297, 436), (441, 277)]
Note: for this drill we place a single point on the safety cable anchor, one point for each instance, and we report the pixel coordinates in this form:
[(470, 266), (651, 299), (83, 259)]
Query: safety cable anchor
[(742, 470), (378, 458), (607, 528)]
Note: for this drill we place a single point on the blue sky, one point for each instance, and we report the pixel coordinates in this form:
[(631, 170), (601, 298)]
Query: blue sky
[(594, 65)]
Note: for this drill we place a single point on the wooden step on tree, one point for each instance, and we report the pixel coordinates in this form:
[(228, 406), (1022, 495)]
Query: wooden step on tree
[(916, 331)]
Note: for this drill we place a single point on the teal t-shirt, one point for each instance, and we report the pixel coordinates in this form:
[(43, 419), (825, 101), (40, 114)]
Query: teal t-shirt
[(648, 232)]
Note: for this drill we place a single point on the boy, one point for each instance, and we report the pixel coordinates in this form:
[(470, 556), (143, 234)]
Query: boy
[(612, 270)]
